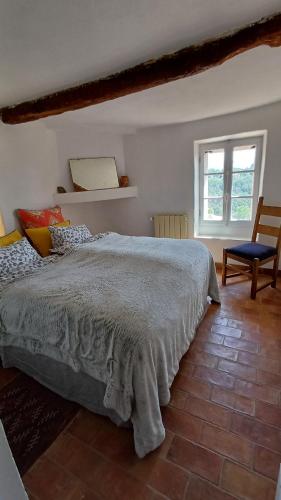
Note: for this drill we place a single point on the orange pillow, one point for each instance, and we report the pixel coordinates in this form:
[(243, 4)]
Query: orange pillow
[(40, 238), (39, 218)]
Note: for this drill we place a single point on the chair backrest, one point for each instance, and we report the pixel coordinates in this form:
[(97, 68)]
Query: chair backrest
[(267, 229)]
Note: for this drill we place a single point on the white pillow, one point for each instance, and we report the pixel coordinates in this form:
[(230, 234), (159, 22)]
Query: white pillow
[(18, 258), (69, 236)]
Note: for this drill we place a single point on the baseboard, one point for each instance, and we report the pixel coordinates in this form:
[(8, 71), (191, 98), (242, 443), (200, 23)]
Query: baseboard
[(264, 270)]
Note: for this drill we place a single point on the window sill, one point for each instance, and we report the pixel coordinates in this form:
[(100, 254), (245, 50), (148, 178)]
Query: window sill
[(213, 237)]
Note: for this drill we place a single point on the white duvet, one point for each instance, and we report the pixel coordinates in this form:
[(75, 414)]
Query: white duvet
[(121, 309)]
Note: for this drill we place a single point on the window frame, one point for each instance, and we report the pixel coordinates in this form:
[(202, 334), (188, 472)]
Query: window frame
[(227, 228)]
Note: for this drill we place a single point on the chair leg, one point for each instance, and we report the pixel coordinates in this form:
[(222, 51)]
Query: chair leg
[(255, 269), (224, 263), (274, 273)]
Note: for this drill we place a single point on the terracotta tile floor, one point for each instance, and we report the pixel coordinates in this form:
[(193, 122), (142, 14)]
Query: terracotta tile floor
[(223, 423)]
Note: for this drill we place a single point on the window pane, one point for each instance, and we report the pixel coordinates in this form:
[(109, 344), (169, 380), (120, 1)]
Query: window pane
[(241, 209), (214, 161), (213, 209), (213, 185), (242, 184), (244, 158)]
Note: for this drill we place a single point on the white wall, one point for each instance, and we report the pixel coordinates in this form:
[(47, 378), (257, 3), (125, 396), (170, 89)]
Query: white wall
[(82, 142), (11, 486), (28, 168), (34, 161), (160, 161)]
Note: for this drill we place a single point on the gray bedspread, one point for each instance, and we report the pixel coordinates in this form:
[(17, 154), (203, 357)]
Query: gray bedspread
[(121, 309)]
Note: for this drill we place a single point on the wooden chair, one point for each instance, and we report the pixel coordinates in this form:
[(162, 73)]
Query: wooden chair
[(254, 254)]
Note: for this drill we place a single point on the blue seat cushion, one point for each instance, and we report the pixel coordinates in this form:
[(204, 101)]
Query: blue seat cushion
[(253, 250)]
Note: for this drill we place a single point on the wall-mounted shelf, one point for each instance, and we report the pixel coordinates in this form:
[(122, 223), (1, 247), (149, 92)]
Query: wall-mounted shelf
[(98, 195)]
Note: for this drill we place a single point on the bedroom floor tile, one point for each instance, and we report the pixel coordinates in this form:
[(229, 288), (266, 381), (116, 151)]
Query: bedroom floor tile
[(177, 422), (213, 338), (203, 359), (113, 483), (243, 345), (227, 444), (257, 432), (220, 350), (47, 481), (255, 391), (202, 490), (226, 330), (258, 361), (178, 399), (208, 411), (242, 371), (196, 459), (81, 461), (267, 378), (270, 351), (168, 479), (267, 462), (215, 377), (62, 449), (117, 445), (231, 400), (246, 484), (223, 430), (86, 426), (192, 386), (268, 413)]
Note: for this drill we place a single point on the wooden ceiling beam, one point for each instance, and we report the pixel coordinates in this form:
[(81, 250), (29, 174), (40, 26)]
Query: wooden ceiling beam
[(170, 67)]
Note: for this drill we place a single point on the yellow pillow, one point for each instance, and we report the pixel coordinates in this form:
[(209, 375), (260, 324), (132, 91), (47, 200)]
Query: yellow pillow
[(10, 238), (41, 239)]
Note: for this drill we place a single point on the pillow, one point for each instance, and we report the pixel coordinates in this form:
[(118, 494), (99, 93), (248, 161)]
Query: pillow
[(10, 238), (41, 238), (39, 218), (17, 258), (69, 236)]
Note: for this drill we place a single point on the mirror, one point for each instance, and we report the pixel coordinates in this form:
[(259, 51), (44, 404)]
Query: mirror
[(89, 174)]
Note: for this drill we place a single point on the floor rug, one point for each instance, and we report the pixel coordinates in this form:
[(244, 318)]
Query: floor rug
[(32, 416)]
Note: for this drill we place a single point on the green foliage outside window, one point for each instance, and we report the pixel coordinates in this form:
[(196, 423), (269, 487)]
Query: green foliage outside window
[(242, 185)]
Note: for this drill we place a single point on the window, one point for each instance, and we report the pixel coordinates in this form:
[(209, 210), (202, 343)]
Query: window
[(227, 186)]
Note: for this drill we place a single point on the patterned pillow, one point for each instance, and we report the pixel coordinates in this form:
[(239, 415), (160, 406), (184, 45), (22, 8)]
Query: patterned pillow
[(18, 258), (69, 236), (40, 238), (39, 218)]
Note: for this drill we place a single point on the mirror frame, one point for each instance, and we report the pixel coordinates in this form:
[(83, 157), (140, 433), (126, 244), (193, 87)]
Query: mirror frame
[(103, 176)]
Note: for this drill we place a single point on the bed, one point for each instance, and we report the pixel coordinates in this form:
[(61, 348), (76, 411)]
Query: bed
[(107, 324)]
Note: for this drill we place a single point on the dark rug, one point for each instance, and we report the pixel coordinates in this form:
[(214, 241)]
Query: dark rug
[(33, 417)]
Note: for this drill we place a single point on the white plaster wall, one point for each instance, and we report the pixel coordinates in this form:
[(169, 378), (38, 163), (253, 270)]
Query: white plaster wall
[(28, 168), (160, 161), (34, 161), (11, 487), (86, 142)]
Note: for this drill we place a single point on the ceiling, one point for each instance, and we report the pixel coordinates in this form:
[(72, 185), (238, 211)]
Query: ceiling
[(250, 80), (46, 46)]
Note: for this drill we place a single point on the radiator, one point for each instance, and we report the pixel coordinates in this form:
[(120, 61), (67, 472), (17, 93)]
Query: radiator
[(170, 226)]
